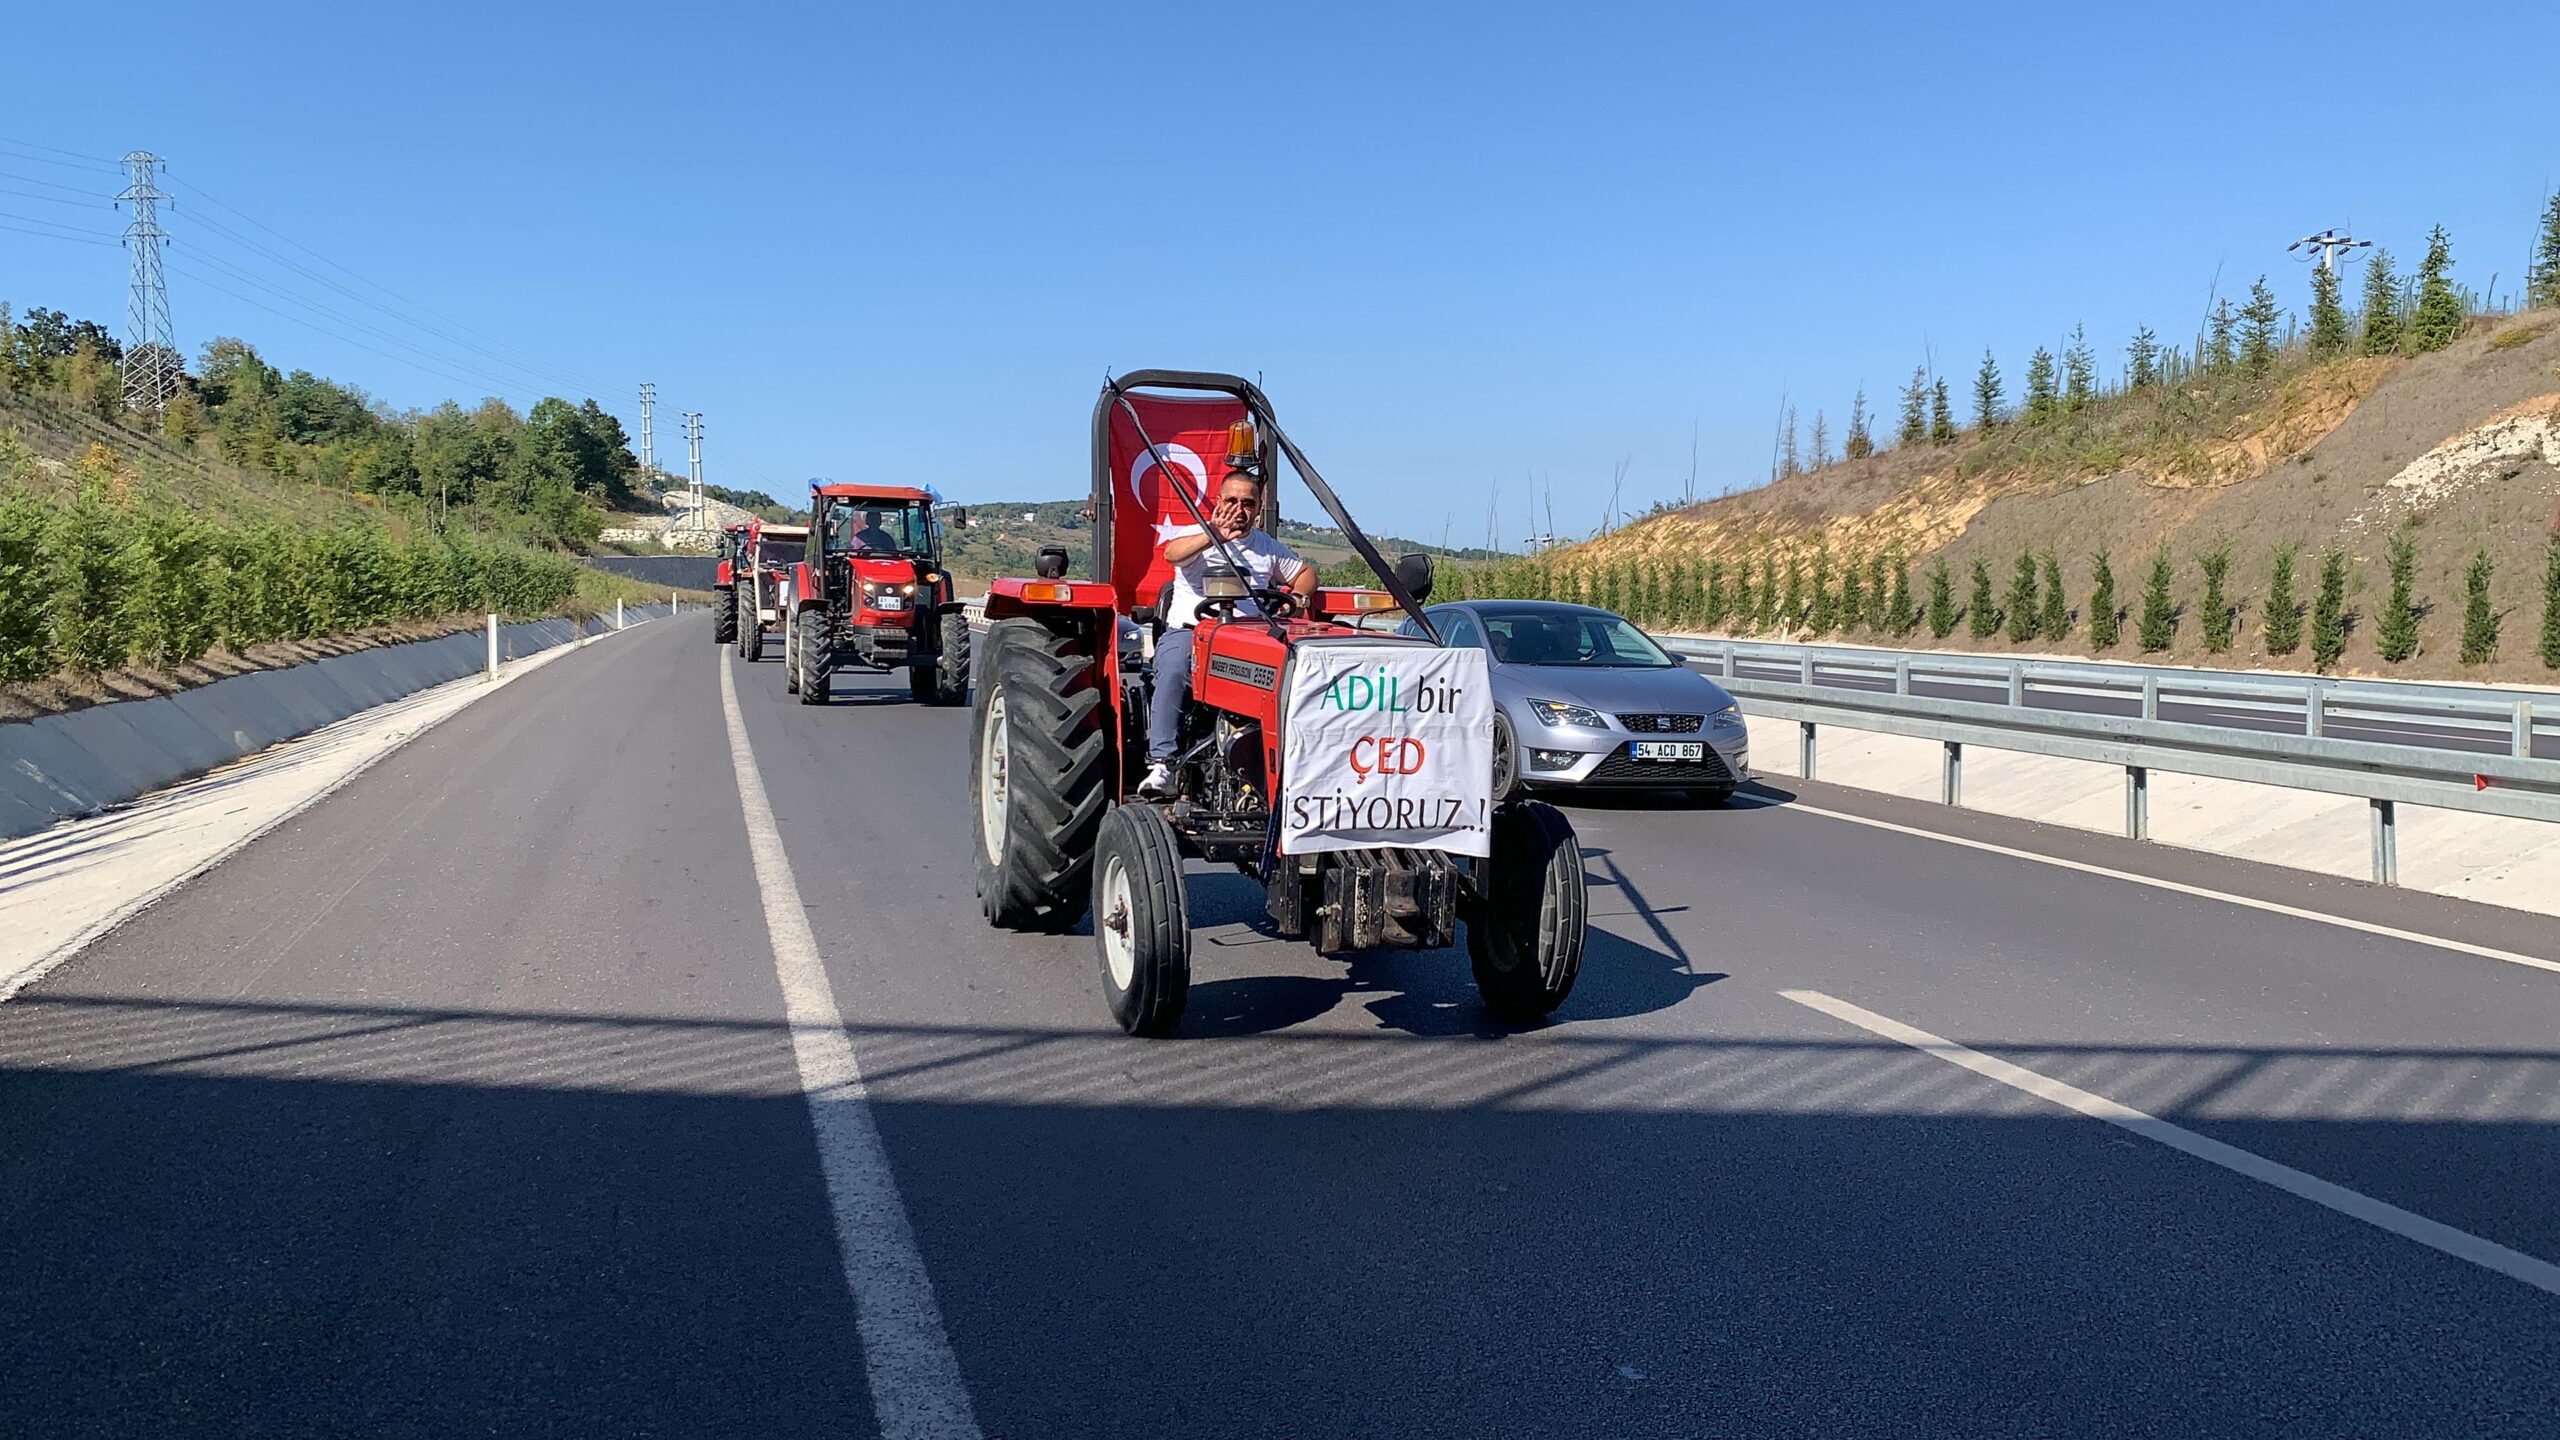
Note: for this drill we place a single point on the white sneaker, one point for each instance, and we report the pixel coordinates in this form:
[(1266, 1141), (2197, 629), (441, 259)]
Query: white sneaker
[(1159, 782)]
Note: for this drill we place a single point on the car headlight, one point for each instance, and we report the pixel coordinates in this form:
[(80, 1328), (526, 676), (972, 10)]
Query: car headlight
[(1729, 715), (1556, 712)]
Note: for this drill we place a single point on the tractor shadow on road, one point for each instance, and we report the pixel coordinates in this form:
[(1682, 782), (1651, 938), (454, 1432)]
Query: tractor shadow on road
[(1430, 992)]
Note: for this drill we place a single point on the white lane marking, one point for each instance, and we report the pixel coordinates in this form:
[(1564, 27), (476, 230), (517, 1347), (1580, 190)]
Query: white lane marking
[(2355, 1205), (916, 1391), (2273, 907)]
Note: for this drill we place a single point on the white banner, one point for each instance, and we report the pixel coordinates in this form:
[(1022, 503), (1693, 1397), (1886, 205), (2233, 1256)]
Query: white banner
[(1387, 745)]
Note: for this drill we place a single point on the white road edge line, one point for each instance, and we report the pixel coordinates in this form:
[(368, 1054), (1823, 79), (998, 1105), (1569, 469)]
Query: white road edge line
[(916, 1390), (2273, 907), (2460, 1244)]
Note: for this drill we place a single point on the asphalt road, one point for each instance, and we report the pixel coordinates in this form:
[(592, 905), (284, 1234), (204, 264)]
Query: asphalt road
[(465, 1103), (2362, 719)]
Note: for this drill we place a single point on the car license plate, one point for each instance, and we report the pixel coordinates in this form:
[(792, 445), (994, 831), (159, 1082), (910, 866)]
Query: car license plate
[(1670, 749), (890, 602)]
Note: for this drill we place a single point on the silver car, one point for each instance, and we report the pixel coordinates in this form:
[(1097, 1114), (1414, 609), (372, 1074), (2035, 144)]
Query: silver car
[(1584, 699)]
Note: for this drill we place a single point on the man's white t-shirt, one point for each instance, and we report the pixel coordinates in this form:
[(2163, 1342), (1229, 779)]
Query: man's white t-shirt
[(1270, 562)]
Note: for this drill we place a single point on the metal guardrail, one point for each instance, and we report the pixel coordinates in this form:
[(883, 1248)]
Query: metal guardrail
[(2483, 751)]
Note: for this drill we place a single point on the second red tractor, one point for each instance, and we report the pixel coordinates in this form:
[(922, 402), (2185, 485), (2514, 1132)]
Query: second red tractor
[(871, 592)]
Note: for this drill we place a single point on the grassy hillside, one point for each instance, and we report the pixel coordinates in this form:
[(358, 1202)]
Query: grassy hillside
[(2456, 453)]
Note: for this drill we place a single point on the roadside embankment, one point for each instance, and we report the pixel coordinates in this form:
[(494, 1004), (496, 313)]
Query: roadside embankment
[(57, 767)]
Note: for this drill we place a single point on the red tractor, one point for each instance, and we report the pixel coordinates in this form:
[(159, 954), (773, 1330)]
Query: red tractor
[(764, 582), (724, 579), (871, 592), (1348, 770)]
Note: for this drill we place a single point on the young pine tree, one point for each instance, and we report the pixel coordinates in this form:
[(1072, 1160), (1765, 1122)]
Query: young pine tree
[(1861, 441), (2479, 622), (1821, 440), (2281, 616), (2024, 614), (1901, 615), (2105, 623), (2055, 623), (1982, 611), (1986, 392), (1942, 415), (1880, 616), (1765, 613), (2079, 373), (1821, 606), (2439, 316), (1746, 604), (2043, 400), (1791, 605), (2218, 355), (2218, 610), (2258, 321), (2396, 635), (2158, 623), (2329, 612), (1853, 594), (1719, 603), (2542, 278), (2329, 336), (2381, 306), (1915, 409), (2551, 604), (1942, 599), (2142, 360)]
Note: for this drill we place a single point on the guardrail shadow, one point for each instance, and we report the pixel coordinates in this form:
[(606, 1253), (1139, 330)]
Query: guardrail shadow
[(225, 1217)]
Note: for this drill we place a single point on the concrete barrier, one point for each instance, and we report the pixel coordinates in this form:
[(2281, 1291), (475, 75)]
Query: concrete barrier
[(62, 766)]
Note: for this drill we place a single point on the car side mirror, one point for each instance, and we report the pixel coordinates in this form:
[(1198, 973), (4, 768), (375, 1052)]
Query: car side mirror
[(1052, 564), (1413, 572)]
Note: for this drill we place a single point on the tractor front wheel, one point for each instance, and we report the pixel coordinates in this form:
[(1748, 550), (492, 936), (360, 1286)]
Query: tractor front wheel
[(1039, 770), (751, 633), (1525, 935), (951, 671), (1139, 921), (815, 655), (724, 622)]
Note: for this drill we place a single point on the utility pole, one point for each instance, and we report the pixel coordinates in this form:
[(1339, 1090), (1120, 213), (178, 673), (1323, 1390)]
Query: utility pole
[(150, 345), (2326, 245), (648, 437), (693, 443)]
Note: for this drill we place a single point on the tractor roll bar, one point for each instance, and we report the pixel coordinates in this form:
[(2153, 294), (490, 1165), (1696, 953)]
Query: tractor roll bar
[(1114, 397)]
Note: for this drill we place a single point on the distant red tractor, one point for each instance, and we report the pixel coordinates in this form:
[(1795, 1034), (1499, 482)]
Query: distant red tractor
[(871, 592), (763, 595), (724, 579), (1349, 771)]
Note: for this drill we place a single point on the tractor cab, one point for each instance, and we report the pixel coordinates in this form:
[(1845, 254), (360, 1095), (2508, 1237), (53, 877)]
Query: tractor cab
[(870, 591), (1348, 770)]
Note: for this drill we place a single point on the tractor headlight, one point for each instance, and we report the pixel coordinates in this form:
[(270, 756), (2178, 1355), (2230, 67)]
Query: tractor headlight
[(1556, 712), (907, 590)]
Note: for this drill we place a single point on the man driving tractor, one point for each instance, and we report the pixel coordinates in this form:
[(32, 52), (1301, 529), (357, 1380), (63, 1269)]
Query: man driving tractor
[(1235, 518)]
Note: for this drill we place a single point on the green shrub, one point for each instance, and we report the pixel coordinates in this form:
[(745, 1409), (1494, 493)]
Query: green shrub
[(2055, 624), (2217, 616), (2105, 618), (2329, 612), (2282, 615), (2159, 620), (168, 607), (26, 640), (2023, 613), (2397, 635), (2479, 622), (88, 580), (2551, 604), (1982, 612), (1942, 599)]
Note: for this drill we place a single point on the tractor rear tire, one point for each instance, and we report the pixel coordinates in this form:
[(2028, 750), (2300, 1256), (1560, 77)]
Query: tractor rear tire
[(816, 657), (951, 672), (751, 637), (1525, 935), (790, 662), (1140, 924), (724, 622), (1039, 777)]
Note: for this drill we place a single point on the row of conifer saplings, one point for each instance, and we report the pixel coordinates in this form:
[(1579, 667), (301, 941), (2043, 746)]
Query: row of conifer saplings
[(2305, 603)]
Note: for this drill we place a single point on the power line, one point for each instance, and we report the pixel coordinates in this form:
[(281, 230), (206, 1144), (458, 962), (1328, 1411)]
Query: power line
[(209, 283), (80, 190), (74, 239), (95, 162), (583, 381), (90, 203), (246, 277), (107, 235)]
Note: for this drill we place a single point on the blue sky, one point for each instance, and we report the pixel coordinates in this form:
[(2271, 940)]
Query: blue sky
[(1463, 245)]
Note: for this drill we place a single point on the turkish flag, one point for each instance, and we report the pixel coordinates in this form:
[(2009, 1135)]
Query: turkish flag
[(1190, 432)]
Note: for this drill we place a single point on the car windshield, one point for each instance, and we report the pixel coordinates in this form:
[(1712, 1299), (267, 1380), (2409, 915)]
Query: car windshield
[(873, 527), (1591, 638)]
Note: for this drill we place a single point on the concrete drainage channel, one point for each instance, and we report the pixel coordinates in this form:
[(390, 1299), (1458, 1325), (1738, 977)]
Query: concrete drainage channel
[(64, 766)]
